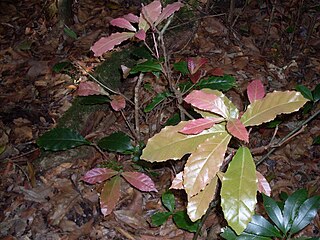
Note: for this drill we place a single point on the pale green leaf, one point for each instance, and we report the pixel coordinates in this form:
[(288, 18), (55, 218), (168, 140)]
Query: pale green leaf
[(266, 109), (239, 189), (170, 144), (205, 162), (198, 204)]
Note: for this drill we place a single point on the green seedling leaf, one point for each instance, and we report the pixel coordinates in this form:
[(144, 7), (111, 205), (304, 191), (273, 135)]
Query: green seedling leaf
[(168, 200), (147, 66), (316, 93), (306, 213), (198, 204), (61, 67), (274, 212), (182, 221), (142, 53), (224, 83), (94, 99), (261, 227), (305, 92), (157, 100), (160, 218), (98, 175), (117, 142), (316, 140), (181, 67), (140, 181), (59, 139), (266, 109), (273, 123), (174, 120), (2, 149), (291, 207), (229, 234), (70, 33), (110, 195), (239, 189)]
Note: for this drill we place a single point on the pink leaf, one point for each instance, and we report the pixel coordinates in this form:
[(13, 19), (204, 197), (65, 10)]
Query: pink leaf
[(255, 90), (110, 195), (140, 180), (177, 182), (207, 102), (122, 23), (90, 88), (198, 125), (98, 175), (195, 63), (118, 102), (105, 44), (151, 12), (141, 35), (236, 128), (168, 10), (131, 18), (263, 185)]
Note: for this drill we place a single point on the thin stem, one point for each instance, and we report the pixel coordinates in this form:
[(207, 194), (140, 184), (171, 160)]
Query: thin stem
[(136, 106)]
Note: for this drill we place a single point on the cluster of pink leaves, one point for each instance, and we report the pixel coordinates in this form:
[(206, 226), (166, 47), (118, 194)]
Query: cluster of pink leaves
[(151, 15)]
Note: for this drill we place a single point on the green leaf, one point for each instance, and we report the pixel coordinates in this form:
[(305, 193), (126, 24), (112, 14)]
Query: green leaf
[(117, 142), (157, 100), (181, 67), (316, 140), (224, 83), (305, 92), (273, 123), (182, 221), (168, 200), (316, 93), (260, 226), (61, 139), (70, 33), (160, 218), (229, 234), (142, 52), (274, 212), (174, 120), (93, 99), (2, 149), (61, 66), (147, 66), (291, 207), (307, 212), (266, 109), (239, 189), (25, 45)]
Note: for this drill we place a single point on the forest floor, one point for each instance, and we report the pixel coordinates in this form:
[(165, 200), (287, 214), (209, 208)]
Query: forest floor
[(278, 44)]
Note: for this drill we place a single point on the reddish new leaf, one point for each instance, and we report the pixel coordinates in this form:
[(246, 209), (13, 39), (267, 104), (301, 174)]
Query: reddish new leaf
[(198, 125), (118, 102), (207, 102), (105, 44), (177, 182), (168, 11), (263, 185), (122, 23), (141, 35), (236, 128), (255, 90), (98, 175), (90, 88), (110, 195), (131, 18), (196, 76), (151, 12), (140, 180), (195, 63)]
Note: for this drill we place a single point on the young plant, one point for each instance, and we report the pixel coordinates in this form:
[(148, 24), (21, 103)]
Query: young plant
[(180, 218), (297, 212), (207, 139)]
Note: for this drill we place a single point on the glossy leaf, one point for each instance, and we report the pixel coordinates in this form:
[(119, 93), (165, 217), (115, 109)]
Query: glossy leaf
[(224, 83), (122, 23), (316, 93), (255, 90), (98, 175), (306, 213), (118, 102), (205, 161), (140, 181), (177, 182), (261, 227), (157, 100), (199, 204), (263, 185), (110, 195), (168, 200), (182, 221), (151, 12), (239, 189), (305, 92), (274, 212), (116, 142), (196, 126), (147, 66), (170, 144), (59, 139), (105, 44), (90, 88), (237, 129), (266, 109), (207, 102), (160, 218), (291, 207), (229, 234), (168, 11), (194, 64)]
